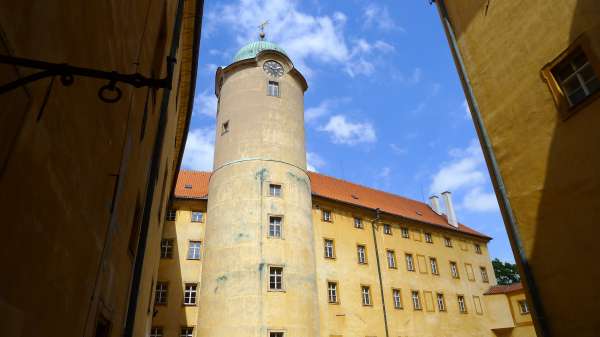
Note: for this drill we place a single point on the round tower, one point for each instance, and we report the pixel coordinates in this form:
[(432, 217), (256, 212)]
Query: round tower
[(258, 274)]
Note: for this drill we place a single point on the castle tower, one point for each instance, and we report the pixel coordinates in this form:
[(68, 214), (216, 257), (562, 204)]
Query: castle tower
[(258, 275)]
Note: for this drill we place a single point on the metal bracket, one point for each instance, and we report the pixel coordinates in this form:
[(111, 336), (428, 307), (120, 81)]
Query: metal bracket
[(108, 93)]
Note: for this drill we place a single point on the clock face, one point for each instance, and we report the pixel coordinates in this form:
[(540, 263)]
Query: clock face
[(273, 68)]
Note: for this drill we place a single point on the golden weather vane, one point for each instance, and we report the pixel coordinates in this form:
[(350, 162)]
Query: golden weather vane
[(262, 29)]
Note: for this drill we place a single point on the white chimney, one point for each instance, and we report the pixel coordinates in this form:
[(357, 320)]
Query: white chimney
[(435, 204), (450, 209)]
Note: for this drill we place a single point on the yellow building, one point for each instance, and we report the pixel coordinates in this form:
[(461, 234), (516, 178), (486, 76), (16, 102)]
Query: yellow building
[(84, 176), (261, 247), (511, 312), (531, 74)]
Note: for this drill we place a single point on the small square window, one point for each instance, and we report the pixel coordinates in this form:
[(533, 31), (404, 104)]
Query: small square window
[(194, 250), (428, 237), (225, 127), (275, 226), (166, 248), (387, 229), (171, 214), (404, 232), (197, 216), (276, 278), (273, 88), (275, 190), (189, 294), (326, 215), (358, 222), (523, 308), (576, 77)]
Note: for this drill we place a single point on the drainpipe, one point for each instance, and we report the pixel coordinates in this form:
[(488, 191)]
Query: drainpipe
[(376, 220), (497, 181)]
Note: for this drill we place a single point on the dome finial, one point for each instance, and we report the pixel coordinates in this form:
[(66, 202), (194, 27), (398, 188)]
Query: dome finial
[(262, 29)]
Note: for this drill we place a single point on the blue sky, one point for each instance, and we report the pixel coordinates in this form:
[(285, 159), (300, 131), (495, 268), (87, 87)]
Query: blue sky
[(384, 106)]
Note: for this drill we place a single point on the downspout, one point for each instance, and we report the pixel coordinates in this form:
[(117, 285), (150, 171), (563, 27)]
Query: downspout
[(152, 179), (373, 222), (497, 181)]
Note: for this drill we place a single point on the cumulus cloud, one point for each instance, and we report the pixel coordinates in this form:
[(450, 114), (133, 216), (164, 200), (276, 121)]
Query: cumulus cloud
[(477, 200), (205, 104), (342, 131), (199, 149), (379, 17), (411, 79), (314, 162)]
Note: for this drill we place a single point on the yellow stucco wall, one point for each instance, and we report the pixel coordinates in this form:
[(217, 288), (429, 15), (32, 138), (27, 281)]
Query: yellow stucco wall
[(550, 165), (507, 320)]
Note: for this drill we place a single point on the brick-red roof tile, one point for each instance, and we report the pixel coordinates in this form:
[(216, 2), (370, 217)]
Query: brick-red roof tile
[(503, 289)]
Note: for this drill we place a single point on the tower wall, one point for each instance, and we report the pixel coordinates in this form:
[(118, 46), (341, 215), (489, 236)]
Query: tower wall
[(264, 145)]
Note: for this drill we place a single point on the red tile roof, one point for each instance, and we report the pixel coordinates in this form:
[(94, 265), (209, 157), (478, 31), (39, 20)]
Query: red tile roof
[(341, 191), (503, 289)]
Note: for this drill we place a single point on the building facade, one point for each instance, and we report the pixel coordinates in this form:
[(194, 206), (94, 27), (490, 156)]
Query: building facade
[(84, 181), (261, 247), (531, 74), (512, 318)]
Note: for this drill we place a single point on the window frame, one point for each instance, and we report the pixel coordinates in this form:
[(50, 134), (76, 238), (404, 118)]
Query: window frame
[(526, 306), (462, 308), (193, 213), (561, 102), (478, 249), (270, 192), (391, 253), (485, 278), (410, 262), (164, 293), (193, 293), (443, 307), (387, 229), (189, 250), (448, 242), (159, 328), (433, 266), (281, 281), (364, 254), (188, 328), (270, 223), (329, 217), (325, 241), (166, 251), (428, 237), (397, 300), (405, 232), (225, 127), (336, 292), (454, 271), (358, 222), (369, 296), (171, 214), (418, 304), (271, 83)]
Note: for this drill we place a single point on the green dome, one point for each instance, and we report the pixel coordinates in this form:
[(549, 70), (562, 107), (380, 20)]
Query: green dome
[(252, 49)]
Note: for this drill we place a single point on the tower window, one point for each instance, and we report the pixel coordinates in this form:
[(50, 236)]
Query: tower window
[(275, 226), (273, 88), (189, 294), (332, 295), (329, 249), (225, 127), (194, 250), (275, 278), (275, 190), (161, 293), (366, 295), (166, 248)]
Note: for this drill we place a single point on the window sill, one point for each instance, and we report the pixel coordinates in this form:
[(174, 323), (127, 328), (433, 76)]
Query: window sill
[(334, 303), (368, 305), (189, 305), (276, 290)]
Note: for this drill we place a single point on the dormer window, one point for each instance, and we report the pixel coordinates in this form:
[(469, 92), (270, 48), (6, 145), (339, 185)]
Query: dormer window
[(187, 186)]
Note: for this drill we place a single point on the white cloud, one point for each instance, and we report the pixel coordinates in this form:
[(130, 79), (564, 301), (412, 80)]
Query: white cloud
[(205, 103), (379, 17), (478, 201), (324, 108), (199, 149), (344, 132), (465, 170), (399, 150), (412, 79), (314, 162)]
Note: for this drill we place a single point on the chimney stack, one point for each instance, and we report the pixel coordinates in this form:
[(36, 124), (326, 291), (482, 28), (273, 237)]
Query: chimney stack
[(435, 204), (450, 209)]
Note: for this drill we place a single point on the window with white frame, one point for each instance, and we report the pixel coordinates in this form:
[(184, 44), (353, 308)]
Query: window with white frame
[(397, 298), (454, 270), (477, 248), (434, 266), (196, 216), (447, 241), (275, 226), (187, 331), (410, 262), (358, 222), (387, 229), (161, 293), (326, 215), (576, 77), (428, 237), (189, 294), (523, 308), (484, 274), (404, 232), (462, 306), (362, 254), (391, 259), (273, 88), (275, 190), (166, 248), (276, 278), (416, 300), (194, 250), (441, 302), (329, 249), (171, 214), (332, 294), (156, 331), (366, 295)]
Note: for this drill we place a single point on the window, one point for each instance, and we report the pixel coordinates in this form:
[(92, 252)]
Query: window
[(387, 229), (161, 293), (225, 127), (166, 248), (326, 215), (404, 232), (366, 295), (196, 216), (576, 77), (441, 302), (397, 298), (358, 223), (156, 331), (447, 241), (171, 214), (273, 88), (410, 262), (332, 294), (454, 270), (484, 275), (329, 249), (194, 250), (391, 259), (275, 226), (362, 254), (416, 300), (462, 306), (187, 186), (428, 238), (275, 278), (275, 190), (434, 266), (187, 331), (477, 249), (189, 294), (523, 308), (276, 334)]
